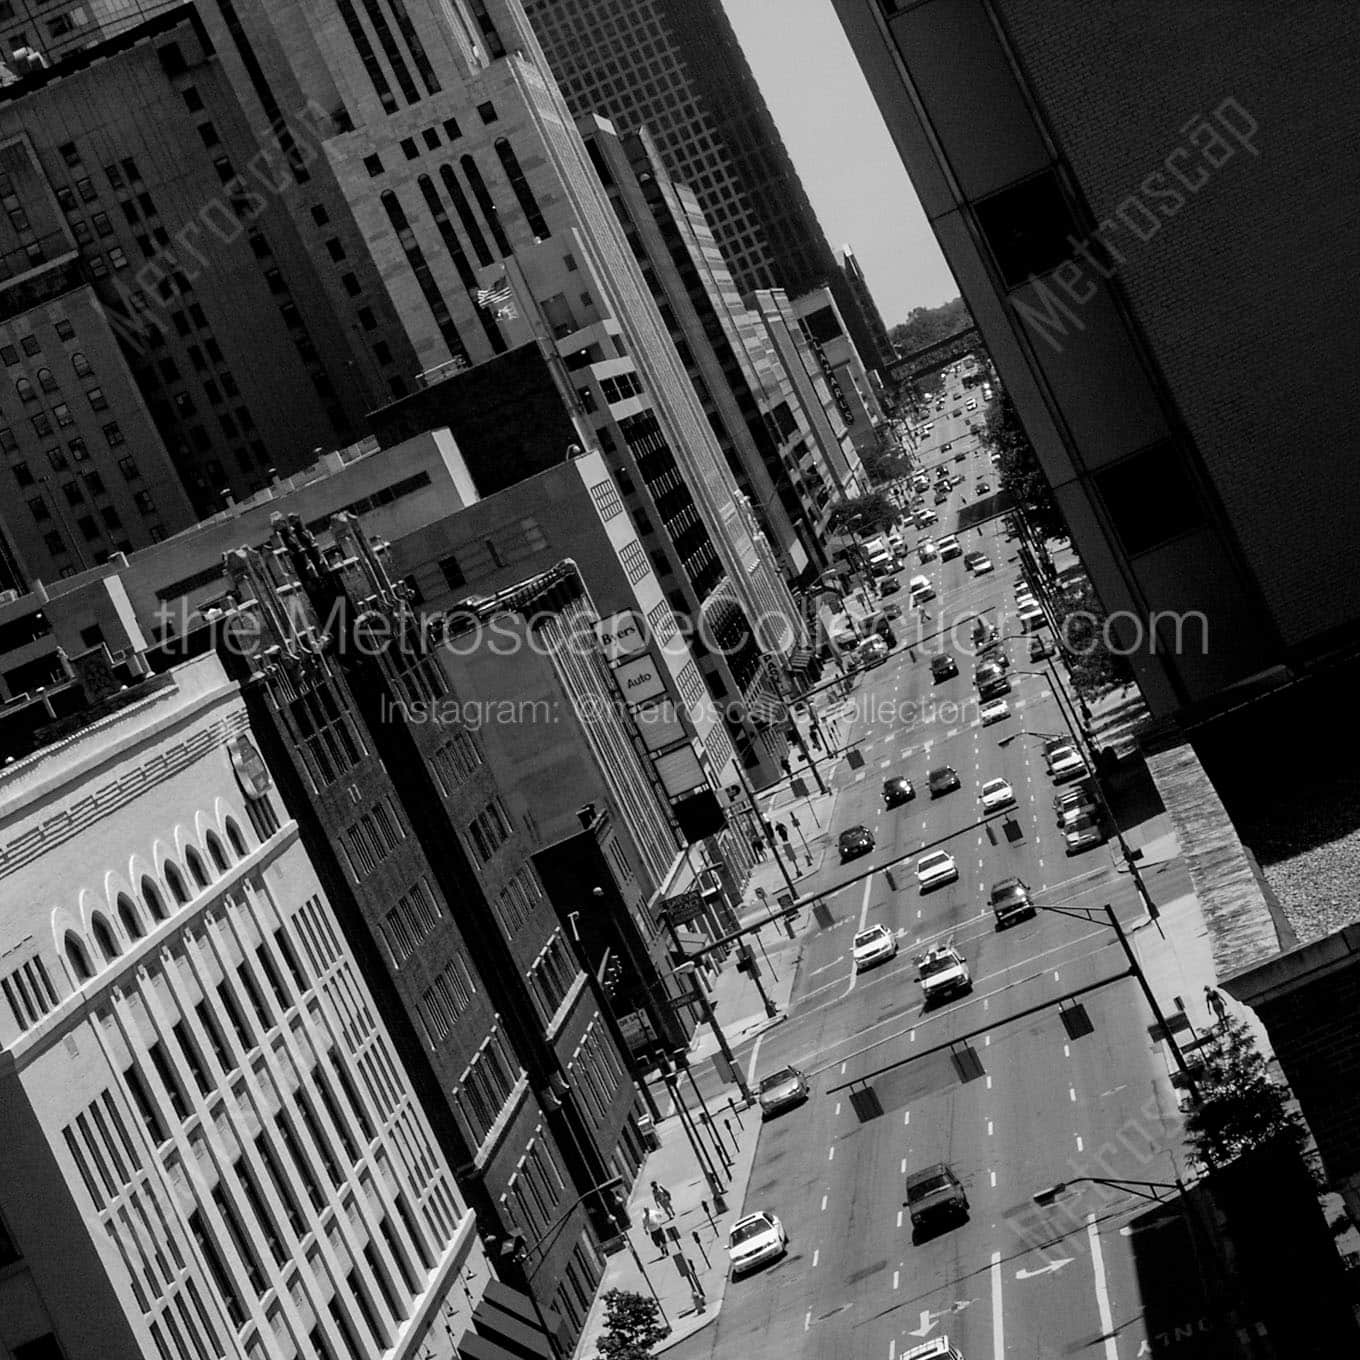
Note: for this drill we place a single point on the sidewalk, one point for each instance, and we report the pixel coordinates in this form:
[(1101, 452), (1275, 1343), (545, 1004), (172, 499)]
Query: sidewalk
[(701, 1227)]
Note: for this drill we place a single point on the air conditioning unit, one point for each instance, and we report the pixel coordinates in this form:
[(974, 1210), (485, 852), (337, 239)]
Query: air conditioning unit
[(8, 596)]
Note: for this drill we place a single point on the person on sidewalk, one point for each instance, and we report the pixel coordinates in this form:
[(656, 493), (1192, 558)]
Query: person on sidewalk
[(1215, 1004), (663, 1197), (652, 1225), (758, 848)]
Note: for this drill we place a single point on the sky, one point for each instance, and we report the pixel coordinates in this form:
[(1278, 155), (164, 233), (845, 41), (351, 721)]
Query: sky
[(844, 156)]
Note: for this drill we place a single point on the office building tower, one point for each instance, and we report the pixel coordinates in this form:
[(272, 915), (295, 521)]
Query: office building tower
[(1118, 231), (750, 401), (856, 397), (167, 343), (210, 1143), (677, 67), (868, 308)]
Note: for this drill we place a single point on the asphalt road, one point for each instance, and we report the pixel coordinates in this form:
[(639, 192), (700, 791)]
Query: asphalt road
[(1013, 1280)]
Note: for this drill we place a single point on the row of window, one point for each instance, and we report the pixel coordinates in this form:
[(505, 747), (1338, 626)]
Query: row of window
[(373, 836), (553, 975), (488, 831), (518, 900), (133, 916), (596, 1072), (410, 920), (448, 997), (456, 761), (486, 1086)]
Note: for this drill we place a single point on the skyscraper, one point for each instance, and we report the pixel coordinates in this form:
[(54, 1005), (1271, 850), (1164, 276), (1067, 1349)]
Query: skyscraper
[(676, 65), (868, 308), (1166, 275)]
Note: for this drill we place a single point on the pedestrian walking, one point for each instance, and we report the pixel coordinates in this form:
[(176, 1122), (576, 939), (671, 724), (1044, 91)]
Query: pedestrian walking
[(1214, 1001), (652, 1225), (758, 848), (783, 832), (663, 1197)]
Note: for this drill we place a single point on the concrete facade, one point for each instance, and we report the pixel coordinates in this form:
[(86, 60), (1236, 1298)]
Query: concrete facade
[(1149, 203), (824, 324), (211, 1144), (676, 67)]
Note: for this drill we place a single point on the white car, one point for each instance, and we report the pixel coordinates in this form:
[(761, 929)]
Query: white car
[(981, 566), (755, 1239), (972, 406), (1066, 763), (993, 711), (996, 793), (936, 868), (950, 548), (873, 946)]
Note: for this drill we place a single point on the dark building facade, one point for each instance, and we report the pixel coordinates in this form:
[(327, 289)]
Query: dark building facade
[(677, 67), (438, 895)]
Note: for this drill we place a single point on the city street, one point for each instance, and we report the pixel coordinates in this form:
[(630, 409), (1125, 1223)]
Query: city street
[(1013, 1279)]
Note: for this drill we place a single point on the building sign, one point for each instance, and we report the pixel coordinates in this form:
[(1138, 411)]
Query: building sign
[(639, 680), (252, 774), (620, 636), (659, 726), (684, 908), (679, 771)]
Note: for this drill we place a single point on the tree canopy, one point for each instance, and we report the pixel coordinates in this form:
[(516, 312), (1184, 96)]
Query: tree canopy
[(925, 325), (632, 1326), (1020, 473), (873, 513), (1094, 665)]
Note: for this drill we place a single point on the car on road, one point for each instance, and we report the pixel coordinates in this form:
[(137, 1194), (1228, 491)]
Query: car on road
[(1010, 901), (871, 652), (943, 667), (855, 841), (942, 779), (889, 585), (1040, 648), (941, 496), (993, 710), (950, 548), (755, 1239), (871, 946), (897, 789), (1073, 801), (781, 1089), (1083, 832), (996, 793), (921, 589), (935, 1194), (892, 610), (1065, 764), (935, 869), (959, 457), (991, 680), (983, 488), (978, 563), (943, 972), (944, 448)]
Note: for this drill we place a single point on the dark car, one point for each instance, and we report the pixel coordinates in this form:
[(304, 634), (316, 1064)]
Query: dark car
[(934, 1196), (889, 585), (991, 680), (942, 667), (1010, 901), (855, 841), (1039, 648), (941, 497), (943, 779), (897, 789)]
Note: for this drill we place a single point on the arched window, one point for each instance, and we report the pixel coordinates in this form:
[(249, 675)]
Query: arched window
[(216, 852), (176, 882), (25, 389), (127, 914), (103, 937), (237, 840), (78, 958), (195, 863), (46, 381), (81, 365), (153, 900)]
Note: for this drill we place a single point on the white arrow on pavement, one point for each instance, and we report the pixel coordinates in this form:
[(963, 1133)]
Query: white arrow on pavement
[(1051, 1268), (929, 1322)]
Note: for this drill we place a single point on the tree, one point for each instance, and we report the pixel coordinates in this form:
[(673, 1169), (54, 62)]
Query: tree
[(1240, 1108), (1083, 629), (632, 1326), (873, 513), (887, 460), (925, 325), (1021, 476)]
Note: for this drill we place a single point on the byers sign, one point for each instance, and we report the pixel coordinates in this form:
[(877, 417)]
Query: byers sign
[(620, 635)]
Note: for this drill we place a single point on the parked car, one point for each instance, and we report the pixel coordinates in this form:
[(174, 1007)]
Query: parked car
[(855, 841), (889, 585), (871, 946), (1066, 764), (941, 497), (943, 667), (1039, 648), (1010, 901), (1032, 618), (755, 1239), (897, 789), (1072, 801), (942, 779), (983, 488), (935, 869), (933, 1194), (892, 610), (927, 550), (1083, 832), (781, 1089), (982, 565), (949, 548)]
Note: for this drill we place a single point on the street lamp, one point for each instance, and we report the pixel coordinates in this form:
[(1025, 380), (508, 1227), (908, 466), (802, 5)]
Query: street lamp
[(1140, 1188)]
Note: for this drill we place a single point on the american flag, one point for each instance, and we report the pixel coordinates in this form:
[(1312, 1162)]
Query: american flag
[(499, 300)]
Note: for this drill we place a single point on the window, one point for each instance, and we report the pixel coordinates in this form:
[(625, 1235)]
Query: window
[(113, 434), (1151, 498), (22, 474), (25, 390), (488, 831), (104, 938), (67, 151), (175, 879), (195, 862), (98, 401), (102, 223), (431, 139), (42, 424), (193, 101), (374, 166), (80, 364), (44, 1347), (409, 148), (215, 851), (118, 257), (38, 509), (78, 959), (238, 844), (487, 112), (152, 898), (10, 355), (29, 345), (62, 412), (95, 483), (1029, 228), (451, 129), (64, 329)]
